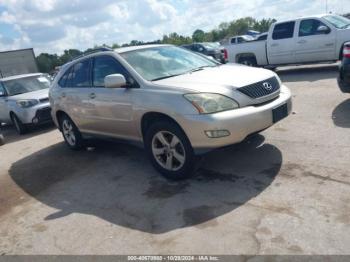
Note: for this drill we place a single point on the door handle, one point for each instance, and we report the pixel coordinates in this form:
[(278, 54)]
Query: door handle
[(92, 95), (273, 45), (302, 42)]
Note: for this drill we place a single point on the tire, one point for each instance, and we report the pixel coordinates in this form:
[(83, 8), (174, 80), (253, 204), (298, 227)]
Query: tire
[(170, 151), (20, 127), (71, 133), (248, 61)]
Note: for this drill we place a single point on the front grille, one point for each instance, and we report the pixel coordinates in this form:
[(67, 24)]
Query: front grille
[(258, 89), (44, 114)]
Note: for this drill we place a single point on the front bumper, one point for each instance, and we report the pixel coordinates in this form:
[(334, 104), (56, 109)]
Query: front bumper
[(239, 122), (344, 77), (36, 115)]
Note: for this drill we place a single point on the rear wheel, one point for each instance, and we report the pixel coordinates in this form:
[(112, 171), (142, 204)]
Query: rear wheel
[(170, 151), (248, 61), (20, 127), (71, 133)]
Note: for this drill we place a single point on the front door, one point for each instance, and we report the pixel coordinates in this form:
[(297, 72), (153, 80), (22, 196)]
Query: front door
[(113, 111), (315, 42)]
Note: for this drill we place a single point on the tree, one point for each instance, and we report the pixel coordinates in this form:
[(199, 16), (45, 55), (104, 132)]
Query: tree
[(198, 36), (47, 62)]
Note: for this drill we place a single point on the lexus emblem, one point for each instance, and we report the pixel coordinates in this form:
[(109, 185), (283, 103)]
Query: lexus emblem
[(267, 86)]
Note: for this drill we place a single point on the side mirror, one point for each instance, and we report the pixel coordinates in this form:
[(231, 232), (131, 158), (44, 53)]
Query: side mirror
[(2, 93), (323, 29), (115, 81)]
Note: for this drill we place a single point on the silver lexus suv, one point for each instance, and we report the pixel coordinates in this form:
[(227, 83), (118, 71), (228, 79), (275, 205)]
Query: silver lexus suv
[(176, 102)]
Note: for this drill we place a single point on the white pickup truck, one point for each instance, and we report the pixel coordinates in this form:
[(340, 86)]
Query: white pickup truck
[(304, 40)]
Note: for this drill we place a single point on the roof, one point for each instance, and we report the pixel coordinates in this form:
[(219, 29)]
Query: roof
[(302, 17), (19, 76), (139, 47)]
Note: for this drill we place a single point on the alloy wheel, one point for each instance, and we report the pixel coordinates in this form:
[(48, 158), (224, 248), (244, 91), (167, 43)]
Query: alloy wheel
[(168, 150)]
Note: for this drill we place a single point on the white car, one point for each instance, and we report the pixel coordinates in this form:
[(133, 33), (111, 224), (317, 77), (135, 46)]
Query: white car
[(24, 100), (304, 40)]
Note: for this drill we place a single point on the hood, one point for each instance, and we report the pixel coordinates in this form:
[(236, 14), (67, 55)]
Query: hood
[(39, 94), (217, 78)]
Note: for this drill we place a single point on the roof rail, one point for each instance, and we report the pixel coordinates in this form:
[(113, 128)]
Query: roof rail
[(92, 51)]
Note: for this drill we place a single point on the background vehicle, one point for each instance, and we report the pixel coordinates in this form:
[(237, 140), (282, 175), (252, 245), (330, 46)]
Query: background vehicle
[(344, 72), (176, 102), (261, 37), (24, 100), (17, 62), (237, 40), (304, 40), (209, 49)]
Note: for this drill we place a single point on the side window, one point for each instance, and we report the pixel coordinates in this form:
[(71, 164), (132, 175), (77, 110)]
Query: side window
[(233, 40), (239, 40), (63, 80), (104, 66), (81, 75), (2, 90), (283, 31), (311, 27)]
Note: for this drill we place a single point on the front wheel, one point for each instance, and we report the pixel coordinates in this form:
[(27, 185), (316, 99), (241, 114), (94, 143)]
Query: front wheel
[(170, 151), (71, 133), (20, 127)]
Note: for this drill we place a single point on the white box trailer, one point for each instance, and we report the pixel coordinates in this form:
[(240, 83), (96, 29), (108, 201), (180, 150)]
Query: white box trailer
[(17, 62)]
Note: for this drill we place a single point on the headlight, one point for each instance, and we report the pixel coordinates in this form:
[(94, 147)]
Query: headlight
[(27, 103), (207, 103)]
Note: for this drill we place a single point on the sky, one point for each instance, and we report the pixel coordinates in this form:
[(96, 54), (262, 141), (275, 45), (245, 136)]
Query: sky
[(55, 25)]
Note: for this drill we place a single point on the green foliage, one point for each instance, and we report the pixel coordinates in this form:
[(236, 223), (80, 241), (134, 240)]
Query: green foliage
[(198, 36)]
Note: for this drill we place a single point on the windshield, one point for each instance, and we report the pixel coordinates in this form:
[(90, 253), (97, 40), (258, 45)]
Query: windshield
[(165, 61), (26, 85), (338, 21)]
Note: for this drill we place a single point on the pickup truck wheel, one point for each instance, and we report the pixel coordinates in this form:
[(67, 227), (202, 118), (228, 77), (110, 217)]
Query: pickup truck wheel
[(170, 151), (248, 61), (20, 127), (71, 133)]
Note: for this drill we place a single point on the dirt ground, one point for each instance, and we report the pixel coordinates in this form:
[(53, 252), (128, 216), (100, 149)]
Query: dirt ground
[(285, 191)]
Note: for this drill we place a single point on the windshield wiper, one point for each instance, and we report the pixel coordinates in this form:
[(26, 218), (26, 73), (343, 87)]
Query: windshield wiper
[(164, 77), (198, 69), (345, 26)]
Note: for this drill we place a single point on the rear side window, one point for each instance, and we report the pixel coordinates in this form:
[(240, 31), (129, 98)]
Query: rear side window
[(233, 40), (62, 81), (81, 76), (77, 76), (104, 66), (283, 31), (309, 27)]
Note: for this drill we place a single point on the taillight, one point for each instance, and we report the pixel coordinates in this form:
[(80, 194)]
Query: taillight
[(225, 54), (346, 51)]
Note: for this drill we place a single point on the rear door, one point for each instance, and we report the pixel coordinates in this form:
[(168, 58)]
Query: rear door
[(74, 95), (313, 44), (280, 44)]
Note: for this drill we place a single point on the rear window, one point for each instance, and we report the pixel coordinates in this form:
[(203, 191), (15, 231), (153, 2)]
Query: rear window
[(283, 31)]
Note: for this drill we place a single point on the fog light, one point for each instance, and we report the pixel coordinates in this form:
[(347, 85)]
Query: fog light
[(217, 133), (35, 120)]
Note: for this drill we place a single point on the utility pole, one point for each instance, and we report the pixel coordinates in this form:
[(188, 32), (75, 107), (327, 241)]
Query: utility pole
[(326, 6)]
